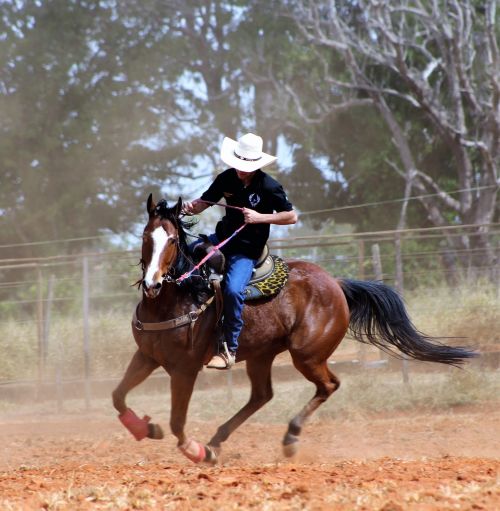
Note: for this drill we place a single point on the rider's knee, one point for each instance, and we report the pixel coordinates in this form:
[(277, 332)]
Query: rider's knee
[(232, 292)]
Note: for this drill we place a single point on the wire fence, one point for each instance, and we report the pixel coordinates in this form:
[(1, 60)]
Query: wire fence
[(67, 317)]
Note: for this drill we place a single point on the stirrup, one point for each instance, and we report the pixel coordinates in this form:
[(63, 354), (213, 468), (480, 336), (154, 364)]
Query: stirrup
[(215, 276), (222, 360)]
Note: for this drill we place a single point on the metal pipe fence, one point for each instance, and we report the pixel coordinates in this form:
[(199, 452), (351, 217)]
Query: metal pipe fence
[(66, 318)]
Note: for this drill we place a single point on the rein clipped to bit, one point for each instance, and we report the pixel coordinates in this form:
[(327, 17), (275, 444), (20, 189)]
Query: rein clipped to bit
[(209, 255)]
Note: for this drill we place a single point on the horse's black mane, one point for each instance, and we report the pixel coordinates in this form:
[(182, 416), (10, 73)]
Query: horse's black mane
[(184, 262)]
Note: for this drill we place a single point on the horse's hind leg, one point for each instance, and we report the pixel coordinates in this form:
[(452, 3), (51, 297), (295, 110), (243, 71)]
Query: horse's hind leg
[(259, 373), (139, 368), (326, 384)]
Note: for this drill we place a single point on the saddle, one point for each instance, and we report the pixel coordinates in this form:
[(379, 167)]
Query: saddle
[(269, 275)]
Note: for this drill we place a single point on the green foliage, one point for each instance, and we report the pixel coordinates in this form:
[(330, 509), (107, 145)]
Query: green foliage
[(103, 102), (96, 100)]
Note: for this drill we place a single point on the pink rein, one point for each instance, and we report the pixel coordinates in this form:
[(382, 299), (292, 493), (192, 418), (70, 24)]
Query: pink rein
[(216, 247), (221, 205)]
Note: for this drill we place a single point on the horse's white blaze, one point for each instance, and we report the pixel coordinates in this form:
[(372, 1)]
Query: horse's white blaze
[(160, 238)]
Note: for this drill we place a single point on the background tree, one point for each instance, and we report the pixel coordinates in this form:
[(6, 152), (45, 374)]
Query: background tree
[(103, 101), (440, 60)]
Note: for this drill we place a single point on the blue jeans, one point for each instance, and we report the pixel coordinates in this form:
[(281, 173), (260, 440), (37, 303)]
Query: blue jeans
[(238, 274)]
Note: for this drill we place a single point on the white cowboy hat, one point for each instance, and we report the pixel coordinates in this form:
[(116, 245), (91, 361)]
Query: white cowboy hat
[(245, 154)]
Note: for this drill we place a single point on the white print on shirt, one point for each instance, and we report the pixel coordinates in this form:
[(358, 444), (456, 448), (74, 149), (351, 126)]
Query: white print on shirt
[(254, 199)]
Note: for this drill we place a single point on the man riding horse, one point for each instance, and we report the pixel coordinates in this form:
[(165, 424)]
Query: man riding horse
[(257, 200), (308, 318)]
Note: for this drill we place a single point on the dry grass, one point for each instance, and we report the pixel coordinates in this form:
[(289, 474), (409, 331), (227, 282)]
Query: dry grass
[(359, 394), (470, 316), (364, 393)]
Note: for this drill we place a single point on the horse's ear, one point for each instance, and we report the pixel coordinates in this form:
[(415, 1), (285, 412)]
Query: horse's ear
[(150, 206), (178, 207)]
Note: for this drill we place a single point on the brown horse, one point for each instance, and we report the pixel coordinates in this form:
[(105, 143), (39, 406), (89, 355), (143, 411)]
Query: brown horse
[(174, 327)]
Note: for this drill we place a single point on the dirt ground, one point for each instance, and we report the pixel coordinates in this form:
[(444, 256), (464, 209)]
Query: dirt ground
[(448, 460)]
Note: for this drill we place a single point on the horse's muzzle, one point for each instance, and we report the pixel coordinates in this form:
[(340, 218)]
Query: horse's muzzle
[(151, 291)]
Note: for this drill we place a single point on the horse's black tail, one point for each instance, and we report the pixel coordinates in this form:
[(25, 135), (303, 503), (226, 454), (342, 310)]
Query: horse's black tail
[(379, 317)]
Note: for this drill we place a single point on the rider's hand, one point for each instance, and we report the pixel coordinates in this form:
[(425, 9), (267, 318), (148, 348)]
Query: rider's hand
[(251, 216), (187, 208), (192, 208)]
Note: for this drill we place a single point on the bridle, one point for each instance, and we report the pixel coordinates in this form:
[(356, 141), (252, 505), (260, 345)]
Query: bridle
[(191, 317), (168, 276)]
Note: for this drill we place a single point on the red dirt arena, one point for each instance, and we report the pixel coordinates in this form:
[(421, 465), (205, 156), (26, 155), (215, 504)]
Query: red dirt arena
[(447, 460)]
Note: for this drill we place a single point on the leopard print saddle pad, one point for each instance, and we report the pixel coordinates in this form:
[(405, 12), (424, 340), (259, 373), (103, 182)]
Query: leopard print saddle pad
[(268, 279)]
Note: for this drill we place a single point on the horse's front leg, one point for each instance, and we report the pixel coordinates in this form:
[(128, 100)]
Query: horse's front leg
[(181, 387), (140, 367)]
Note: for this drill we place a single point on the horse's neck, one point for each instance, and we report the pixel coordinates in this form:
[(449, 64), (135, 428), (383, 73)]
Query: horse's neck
[(171, 301)]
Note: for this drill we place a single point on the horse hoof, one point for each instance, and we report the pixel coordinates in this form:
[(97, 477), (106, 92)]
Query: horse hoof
[(155, 432), (193, 450), (211, 455), (290, 450)]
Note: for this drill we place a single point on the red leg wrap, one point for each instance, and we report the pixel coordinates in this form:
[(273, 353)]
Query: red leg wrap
[(193, 450), (138, 427)]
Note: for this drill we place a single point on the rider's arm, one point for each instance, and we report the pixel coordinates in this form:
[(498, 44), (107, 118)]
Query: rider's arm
[(285, 214), (280, 218), (212, 194)]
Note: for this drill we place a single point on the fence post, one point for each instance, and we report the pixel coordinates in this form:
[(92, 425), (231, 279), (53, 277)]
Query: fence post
[(86, 330), (377, 268), (399, 285), (46, 325), (39, 331), (361, 259), (59, 377), (377, 265), (361, 276)]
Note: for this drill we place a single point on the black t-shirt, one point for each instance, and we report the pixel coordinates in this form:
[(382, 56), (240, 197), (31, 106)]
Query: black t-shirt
[(264, 195)]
